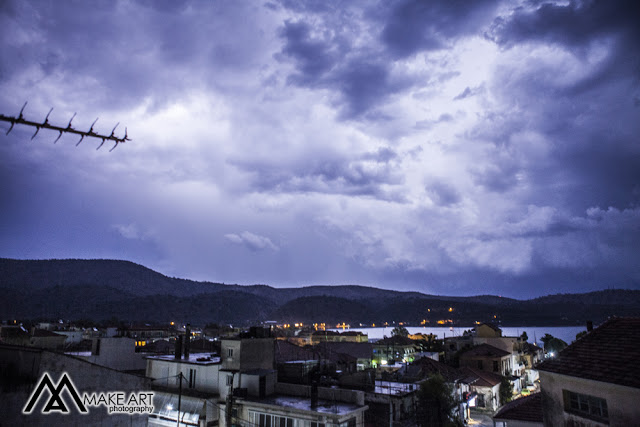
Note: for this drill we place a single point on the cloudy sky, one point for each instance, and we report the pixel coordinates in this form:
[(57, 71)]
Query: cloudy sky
[(452, 147)]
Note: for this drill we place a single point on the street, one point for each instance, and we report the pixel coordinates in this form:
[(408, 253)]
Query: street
[(480, 420)]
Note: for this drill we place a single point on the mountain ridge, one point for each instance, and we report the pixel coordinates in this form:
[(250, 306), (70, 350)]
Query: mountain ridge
[(101, 289)]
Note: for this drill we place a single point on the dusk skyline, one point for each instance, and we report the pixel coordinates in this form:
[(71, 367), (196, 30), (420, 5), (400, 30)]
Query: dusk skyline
[(447, 147)]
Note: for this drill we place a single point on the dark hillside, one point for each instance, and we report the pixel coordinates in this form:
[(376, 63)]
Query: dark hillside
[(101, 289)]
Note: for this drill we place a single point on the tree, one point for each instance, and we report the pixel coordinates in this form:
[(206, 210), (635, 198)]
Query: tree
[(580, 335), (524, 336), (552, 344), (436, 403), (400, 331), (506, 391)]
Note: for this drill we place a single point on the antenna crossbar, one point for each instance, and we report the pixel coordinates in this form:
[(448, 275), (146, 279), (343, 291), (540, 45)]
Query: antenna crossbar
[(62, 130)]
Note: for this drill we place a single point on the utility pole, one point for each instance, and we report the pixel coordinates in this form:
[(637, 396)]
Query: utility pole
[(180, 376), (229, 414)]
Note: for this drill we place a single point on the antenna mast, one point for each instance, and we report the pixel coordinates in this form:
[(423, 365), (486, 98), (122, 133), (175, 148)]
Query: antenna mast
[(46, 125)]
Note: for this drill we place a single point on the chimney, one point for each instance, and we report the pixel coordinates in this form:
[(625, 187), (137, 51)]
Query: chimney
[(178, 351), (314, 395), (589, 326), (187, 341)]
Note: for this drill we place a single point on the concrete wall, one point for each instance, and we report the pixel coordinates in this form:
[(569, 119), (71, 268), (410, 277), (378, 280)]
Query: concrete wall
[(116, 353), (165, 371), (248, 354), (491, 396), (252, 383), (301, 417), (516, 423), (504, 363), (72, 336), (230, 349), (622, 402), (257, 353), (324, 393), (31, 364)]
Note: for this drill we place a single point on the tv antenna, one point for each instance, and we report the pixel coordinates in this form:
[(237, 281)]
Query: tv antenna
[(46, 125)]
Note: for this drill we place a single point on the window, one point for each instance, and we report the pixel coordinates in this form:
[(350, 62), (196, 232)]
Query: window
[(267, 420), (585, 405), (230, 352), (229, 380), (495, 366)]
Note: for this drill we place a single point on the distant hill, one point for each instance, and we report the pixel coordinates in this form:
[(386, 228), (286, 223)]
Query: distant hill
[(105, 289)]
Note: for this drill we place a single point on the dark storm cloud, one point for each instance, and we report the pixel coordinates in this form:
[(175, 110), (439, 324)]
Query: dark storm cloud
[(363, 75), (362, 176), (580, 26), (252, 241), (414, 26), (329, 61), (577, 23), (443, 194), (314, 57), (469, 92), (587, 116), (132, 50), (427, 144), (382, 155)]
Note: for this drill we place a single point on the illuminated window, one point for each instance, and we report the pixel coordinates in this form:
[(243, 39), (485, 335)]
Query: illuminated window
[(585, 405)]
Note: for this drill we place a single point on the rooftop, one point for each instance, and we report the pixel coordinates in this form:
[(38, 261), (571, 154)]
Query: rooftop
[(485, 350), (355, 349), (609, 353), (194, 358), (524, 409), (395, 388), (426, 367), (304, 404), (483, 378), (286, 351), (395, 340)]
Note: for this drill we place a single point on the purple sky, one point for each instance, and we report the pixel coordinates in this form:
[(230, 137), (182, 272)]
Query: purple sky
[(450, 147)]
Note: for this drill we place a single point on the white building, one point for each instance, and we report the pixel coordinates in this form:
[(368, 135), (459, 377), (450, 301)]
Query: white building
[(241, 385)]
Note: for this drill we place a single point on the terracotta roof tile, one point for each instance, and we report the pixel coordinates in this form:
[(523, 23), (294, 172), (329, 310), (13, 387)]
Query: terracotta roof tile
[(524, 409), (485, 350), (428, 367), (355, 349), (484, 379), (609, 353)]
